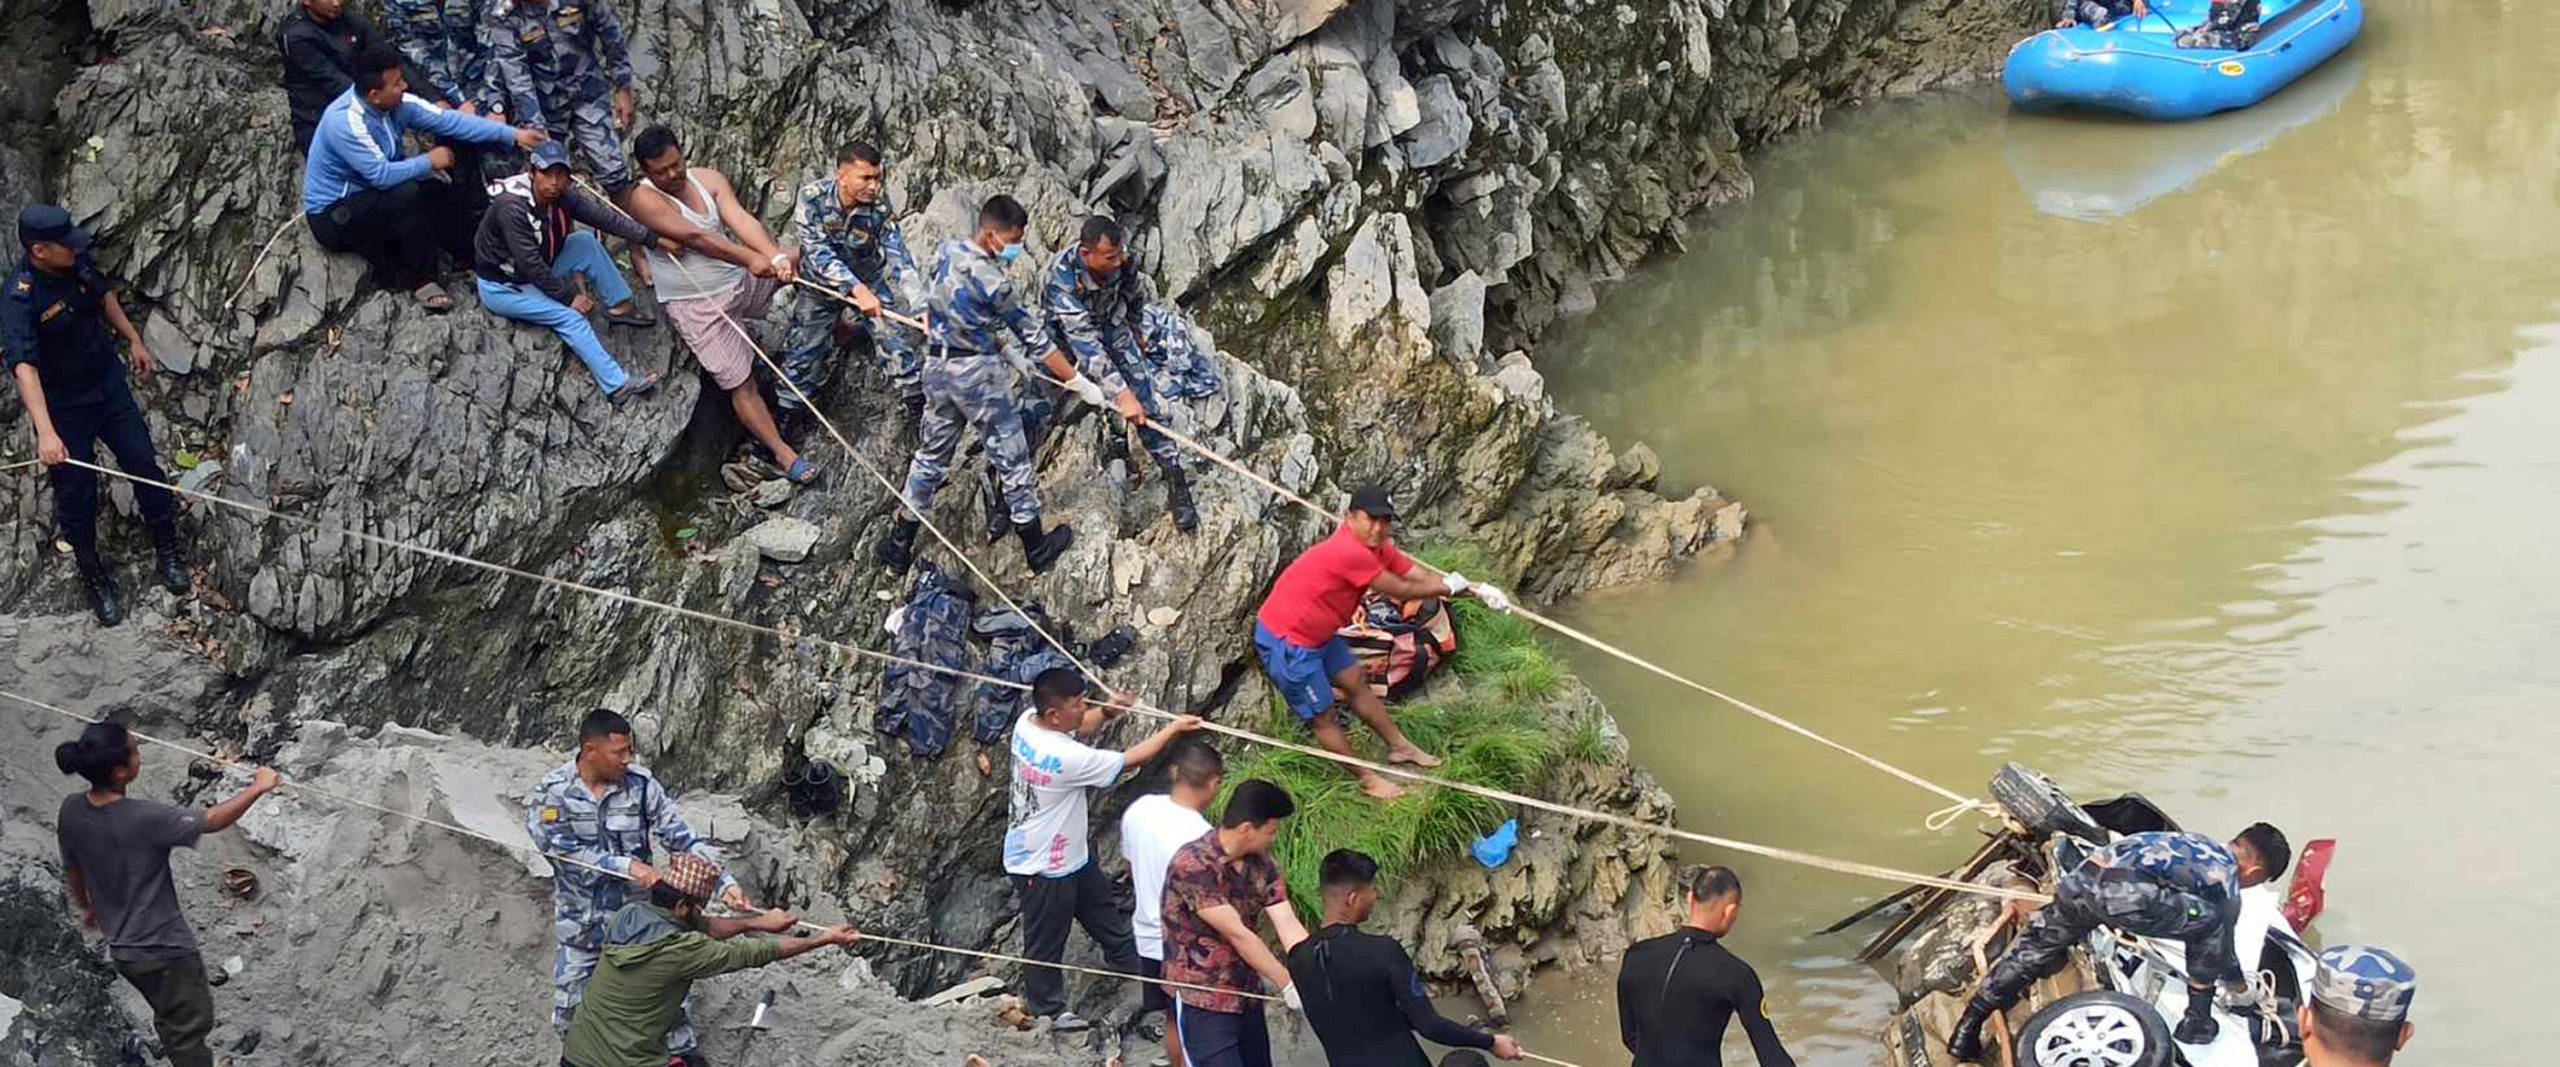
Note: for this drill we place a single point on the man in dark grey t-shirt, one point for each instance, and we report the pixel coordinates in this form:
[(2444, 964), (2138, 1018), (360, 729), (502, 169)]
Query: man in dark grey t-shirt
[(115, 858)]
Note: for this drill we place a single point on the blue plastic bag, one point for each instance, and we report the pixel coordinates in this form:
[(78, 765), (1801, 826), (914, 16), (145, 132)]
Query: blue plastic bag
[(1494, 849)]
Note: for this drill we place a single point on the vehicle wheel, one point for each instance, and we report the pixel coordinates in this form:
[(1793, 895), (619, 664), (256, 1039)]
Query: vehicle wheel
[(2039, 805), (2096, 1029)]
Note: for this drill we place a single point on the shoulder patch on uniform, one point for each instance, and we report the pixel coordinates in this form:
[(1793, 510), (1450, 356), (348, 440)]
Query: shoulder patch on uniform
[(26, 284), (550, 814)]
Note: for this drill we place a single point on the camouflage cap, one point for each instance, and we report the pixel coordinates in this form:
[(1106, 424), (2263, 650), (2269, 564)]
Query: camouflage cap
[(2366, 982), (695, 877)]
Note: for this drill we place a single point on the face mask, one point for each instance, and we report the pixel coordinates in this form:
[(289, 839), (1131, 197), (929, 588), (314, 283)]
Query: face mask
[(1010, 252)]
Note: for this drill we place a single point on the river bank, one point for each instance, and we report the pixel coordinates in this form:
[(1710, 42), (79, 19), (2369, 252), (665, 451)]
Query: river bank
[(1366, 210)]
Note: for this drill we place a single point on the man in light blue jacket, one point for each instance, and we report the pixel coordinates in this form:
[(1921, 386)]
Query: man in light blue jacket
[(362, 193)]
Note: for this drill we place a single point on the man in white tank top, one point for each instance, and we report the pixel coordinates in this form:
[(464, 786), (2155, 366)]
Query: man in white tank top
[(728, 271)]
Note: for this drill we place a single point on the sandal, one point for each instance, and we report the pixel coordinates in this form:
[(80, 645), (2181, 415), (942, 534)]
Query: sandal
[(640, 386), (635, 317), (803, 473), (433, 297)]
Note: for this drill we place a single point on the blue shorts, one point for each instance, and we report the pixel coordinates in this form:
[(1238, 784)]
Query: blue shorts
[(1304, 676)]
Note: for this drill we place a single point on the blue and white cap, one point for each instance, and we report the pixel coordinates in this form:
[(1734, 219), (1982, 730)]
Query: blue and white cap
[(550, 154), (2366, 982)]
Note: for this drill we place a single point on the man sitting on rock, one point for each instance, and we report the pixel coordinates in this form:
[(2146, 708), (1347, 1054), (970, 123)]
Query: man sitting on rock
[(600, 811), (1047, 847), (361, 194), (849, 244), (654, 951), (723, 267), (2180, 886), (1092, 299), (529, 238), (1317, 595)]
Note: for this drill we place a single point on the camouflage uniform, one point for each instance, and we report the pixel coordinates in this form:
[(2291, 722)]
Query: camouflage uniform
[(969, 383), (839, 246), (556, 65), (565, 819), (2180, 886), (1097, 321), (442, 40), (2364, 982)]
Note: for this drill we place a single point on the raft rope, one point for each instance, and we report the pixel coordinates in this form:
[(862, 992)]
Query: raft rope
[(1958, 804)]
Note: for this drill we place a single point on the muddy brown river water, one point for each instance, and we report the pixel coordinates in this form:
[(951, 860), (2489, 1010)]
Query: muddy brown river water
[(2218, 461)]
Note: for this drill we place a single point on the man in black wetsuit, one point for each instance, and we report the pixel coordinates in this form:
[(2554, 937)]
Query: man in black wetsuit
[(1361, 994), (1677, 992)]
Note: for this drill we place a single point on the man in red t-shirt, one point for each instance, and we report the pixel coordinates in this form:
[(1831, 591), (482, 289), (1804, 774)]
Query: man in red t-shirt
[(1318, 594)]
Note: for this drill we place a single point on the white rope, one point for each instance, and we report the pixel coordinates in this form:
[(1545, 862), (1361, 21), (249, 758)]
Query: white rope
[(1958, 803), (234, 299), (529, 850)]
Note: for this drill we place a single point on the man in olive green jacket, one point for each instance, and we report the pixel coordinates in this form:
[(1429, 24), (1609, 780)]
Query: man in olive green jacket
[(654, 951)]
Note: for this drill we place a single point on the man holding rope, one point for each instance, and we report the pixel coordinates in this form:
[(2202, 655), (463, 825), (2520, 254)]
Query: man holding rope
[(654, 950), (54, 316), (599, 811), (1217, 891), (115, 860), (1364, 1000), (968, 383), (1092, 299), (727, 269), (1308, 662), (848, 243), (1046, 848)]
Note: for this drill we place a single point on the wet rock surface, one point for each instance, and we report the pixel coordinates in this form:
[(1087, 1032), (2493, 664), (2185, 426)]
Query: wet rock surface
[(1371, 208)]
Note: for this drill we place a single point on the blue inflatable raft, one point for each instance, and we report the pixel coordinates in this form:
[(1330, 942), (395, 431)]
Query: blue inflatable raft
[(2134, 65)]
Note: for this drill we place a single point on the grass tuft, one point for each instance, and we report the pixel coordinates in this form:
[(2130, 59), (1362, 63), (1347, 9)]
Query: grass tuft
[(1495, 729)]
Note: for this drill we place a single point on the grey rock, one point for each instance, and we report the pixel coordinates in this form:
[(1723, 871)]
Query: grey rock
[(1442, 126), (783, 539)]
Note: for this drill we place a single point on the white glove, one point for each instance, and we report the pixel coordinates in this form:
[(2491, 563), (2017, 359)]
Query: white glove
[(1456, 582), (1084, 388), (1289, 996), (1493, 597)]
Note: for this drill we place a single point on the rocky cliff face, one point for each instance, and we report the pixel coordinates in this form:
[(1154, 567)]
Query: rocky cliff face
[(1369, 206)]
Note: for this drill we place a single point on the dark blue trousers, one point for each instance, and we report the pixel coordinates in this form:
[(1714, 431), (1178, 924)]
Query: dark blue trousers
[(116, 420)]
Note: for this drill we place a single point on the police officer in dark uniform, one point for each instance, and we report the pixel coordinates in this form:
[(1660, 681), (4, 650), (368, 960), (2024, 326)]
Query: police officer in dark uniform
[(54, 315)]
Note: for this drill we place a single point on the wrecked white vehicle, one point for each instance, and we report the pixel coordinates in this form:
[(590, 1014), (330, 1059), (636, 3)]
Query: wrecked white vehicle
[(2116, 1002)]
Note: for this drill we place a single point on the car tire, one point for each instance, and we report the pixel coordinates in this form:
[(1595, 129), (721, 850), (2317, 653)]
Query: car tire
[(2096, 1029), (2034, 802)]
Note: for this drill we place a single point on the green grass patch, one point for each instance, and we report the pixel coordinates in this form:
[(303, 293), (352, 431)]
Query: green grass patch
[(1489, 714)]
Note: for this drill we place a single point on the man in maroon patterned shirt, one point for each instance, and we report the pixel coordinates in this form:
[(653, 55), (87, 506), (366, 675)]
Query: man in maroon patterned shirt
[(1215, 890)]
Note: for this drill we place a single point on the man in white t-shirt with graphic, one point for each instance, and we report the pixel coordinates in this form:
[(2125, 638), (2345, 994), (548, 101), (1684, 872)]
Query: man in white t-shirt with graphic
[(1046, 848), (1151, 831)]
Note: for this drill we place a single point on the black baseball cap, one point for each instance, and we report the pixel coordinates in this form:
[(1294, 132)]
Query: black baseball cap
[(1372, 500), (46, 223)]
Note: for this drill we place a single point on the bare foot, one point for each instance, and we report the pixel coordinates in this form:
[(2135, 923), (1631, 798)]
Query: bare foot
[(1414, 756), (975, 1060), (1380, 788), (986, 764)]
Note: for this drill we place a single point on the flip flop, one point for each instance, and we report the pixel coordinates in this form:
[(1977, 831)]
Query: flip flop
[(803, 473), (433, 297), (641, 386), (637, 318)]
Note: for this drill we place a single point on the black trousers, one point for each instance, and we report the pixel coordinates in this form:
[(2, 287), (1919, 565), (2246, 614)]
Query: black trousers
[(399, 230), (1224, 1039), (1049, 905), (117, 420), (181, 1005)]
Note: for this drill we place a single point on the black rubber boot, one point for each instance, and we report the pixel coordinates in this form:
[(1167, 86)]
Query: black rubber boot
[(173, 567), (914, 405), (1965, 1044), (2199, 1027), (898, 550), (1177, 496), (991, 503), (1039, 548), (104, 597)]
